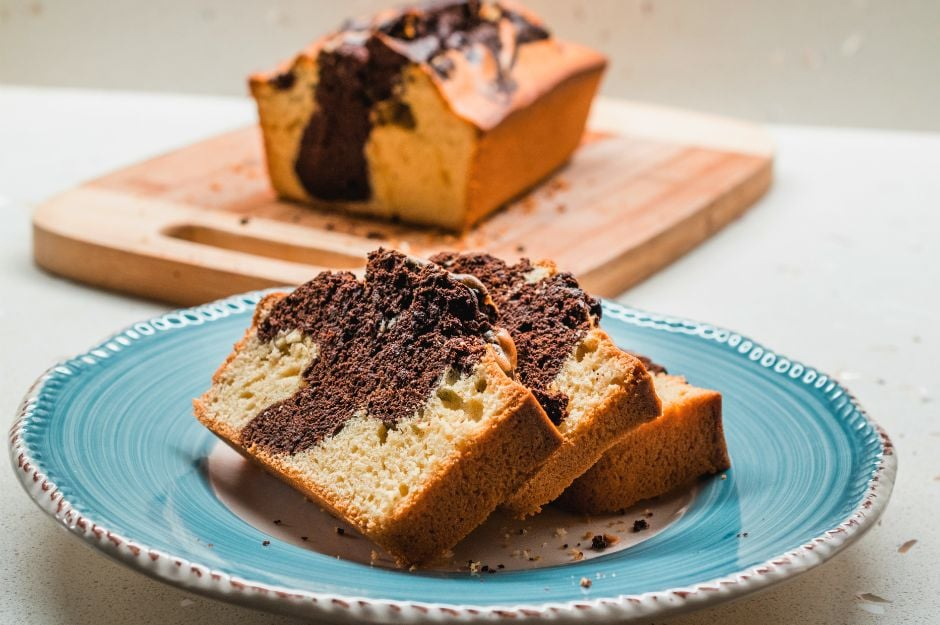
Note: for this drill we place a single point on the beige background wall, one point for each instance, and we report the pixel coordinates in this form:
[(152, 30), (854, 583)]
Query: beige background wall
[(843, 62)]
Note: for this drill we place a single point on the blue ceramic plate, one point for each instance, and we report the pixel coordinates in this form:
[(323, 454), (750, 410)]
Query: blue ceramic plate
[(106, 444)]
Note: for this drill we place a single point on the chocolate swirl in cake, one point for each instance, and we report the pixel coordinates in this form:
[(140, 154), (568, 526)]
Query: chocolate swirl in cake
[(384, 345), (360, 67), (546, 319)]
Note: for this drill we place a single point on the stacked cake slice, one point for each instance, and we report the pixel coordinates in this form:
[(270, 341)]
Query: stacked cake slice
[(685, 443), (390, 401), (593, 391), (416, 401)]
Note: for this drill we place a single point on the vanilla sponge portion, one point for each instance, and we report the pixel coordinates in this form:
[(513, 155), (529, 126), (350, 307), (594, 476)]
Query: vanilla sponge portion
[(415, 489), (419, 174), (685, 443), (610, 393)]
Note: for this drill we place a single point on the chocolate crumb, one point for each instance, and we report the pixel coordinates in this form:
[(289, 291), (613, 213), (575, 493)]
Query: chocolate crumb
[(283, 81), (485, 568), (565, 546), (329, 226), (520, 249), (500, 566), (304, 538), (375, 235), (599, 543), (640, 524), (872, 598), (443, 66), (340, 531), (585, 582), (265, 542), (277, 521), (244, 221)]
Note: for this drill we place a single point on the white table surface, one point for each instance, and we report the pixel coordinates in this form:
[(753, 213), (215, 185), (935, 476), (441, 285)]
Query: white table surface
[(838, 267)]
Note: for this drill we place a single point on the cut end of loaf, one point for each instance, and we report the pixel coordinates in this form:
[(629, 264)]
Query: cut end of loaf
[(364, 118)]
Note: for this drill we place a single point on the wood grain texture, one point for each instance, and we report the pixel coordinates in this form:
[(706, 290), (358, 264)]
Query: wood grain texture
[(646, 186)]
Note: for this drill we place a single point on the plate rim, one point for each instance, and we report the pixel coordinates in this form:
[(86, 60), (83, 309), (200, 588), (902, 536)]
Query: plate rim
[(199, 578)]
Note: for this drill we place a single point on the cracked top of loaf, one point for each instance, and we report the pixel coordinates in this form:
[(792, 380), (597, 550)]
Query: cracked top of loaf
[(488, 59)]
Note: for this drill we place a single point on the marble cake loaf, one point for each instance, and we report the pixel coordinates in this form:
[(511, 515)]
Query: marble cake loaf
[(389, 401), (685, 443), (593, 391), (436, 114)]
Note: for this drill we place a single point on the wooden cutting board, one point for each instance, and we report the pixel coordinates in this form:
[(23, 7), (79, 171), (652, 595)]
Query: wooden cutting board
[(646, 186)]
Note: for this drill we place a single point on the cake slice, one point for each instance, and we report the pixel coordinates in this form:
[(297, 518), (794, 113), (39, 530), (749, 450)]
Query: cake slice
[(685, 443), (436, 114), (593, 391), (389, 401)]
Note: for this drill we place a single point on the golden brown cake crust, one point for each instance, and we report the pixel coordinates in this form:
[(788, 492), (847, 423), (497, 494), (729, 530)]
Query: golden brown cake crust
[(552, 126), (685, 443)]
